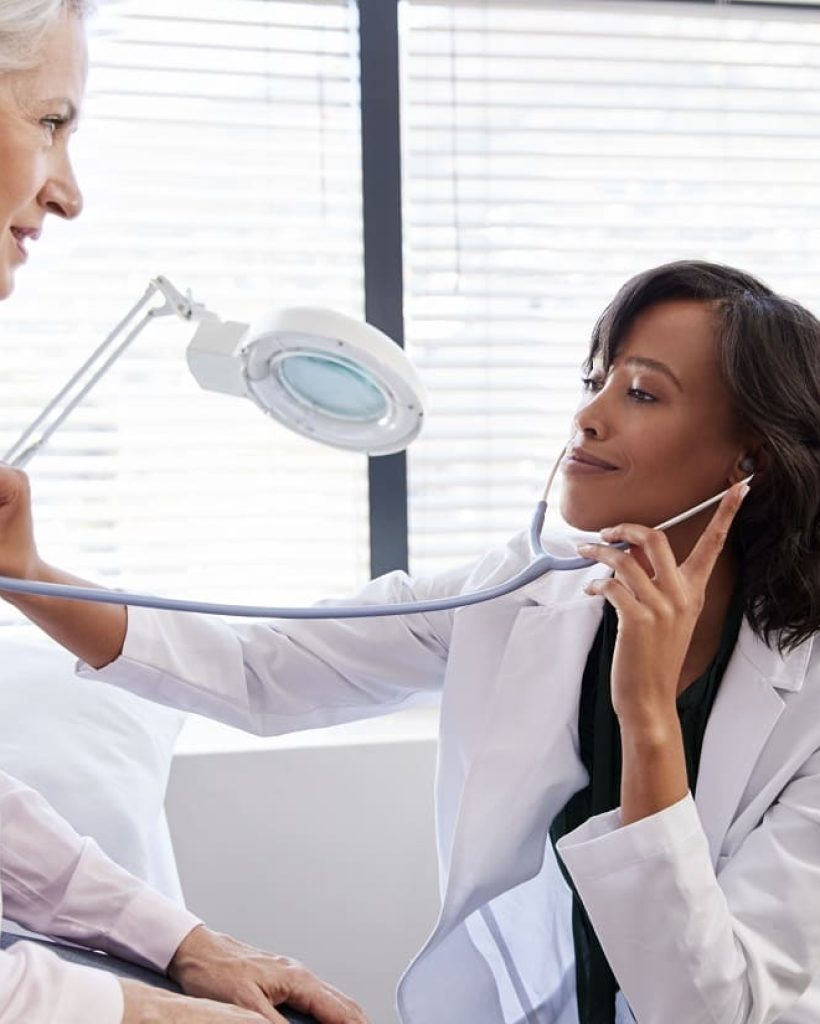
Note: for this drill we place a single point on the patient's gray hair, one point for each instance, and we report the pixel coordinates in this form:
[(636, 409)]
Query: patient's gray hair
[(23, 23)]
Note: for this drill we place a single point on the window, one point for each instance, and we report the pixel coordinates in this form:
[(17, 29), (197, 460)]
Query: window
[(551, 150)]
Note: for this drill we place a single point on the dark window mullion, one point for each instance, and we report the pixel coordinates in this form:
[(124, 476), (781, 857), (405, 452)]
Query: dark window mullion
[(383, 277)]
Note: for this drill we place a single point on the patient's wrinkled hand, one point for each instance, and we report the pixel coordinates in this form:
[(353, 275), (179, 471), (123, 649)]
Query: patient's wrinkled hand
[(147, 1005), (218, 967)]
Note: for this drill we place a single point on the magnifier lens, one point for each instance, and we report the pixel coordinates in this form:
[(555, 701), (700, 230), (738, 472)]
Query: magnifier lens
[(333, 386)]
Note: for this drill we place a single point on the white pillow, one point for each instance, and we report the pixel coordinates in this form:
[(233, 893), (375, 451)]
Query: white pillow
[(99, 755)]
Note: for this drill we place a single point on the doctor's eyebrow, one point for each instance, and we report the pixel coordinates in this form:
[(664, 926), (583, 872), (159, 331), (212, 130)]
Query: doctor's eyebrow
[(653, 364)]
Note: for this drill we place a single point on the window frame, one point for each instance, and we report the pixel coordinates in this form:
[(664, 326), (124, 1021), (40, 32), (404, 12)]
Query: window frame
[(382, 251)]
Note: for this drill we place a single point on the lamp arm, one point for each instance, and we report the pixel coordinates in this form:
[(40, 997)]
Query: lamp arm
[(98, 364)]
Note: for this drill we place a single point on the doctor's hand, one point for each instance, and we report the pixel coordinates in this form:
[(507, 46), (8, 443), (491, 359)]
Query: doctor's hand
[(18, 553), (221, 968), (658, 604)]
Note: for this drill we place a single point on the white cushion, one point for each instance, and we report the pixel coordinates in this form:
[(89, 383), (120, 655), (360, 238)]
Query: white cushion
[(99, 755)]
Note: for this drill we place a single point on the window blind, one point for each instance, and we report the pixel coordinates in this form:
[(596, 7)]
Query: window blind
[(550, 152), (219, 146)]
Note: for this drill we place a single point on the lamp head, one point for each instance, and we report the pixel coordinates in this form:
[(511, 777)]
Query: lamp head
[(322, 374)]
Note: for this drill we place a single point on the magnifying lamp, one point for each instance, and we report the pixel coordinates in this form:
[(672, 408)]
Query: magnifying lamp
[(322, 374)]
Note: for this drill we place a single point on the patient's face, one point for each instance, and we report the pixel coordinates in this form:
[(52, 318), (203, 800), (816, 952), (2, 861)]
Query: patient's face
[(656, 432), (38, 113)]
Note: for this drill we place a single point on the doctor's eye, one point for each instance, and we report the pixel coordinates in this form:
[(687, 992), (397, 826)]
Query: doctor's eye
[(641, 396), (592, 384)]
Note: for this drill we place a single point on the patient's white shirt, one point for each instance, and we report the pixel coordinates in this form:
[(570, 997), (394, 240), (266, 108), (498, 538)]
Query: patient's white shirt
[(54, 882)]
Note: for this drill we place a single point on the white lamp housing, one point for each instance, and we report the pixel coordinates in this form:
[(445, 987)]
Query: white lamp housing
[(322, 374), (331, 378)]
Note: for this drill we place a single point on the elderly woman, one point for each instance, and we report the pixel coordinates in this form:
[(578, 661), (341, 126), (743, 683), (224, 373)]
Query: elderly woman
[(52, 880)]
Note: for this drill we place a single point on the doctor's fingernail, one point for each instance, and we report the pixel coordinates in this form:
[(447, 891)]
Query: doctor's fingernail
[(586, 550)]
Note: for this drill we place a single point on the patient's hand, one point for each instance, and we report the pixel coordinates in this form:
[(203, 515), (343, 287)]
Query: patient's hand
[(147, 1005), (218, 967), (18, 554)]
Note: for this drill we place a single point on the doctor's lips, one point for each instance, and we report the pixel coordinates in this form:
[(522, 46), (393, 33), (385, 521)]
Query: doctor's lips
[(577, 460)]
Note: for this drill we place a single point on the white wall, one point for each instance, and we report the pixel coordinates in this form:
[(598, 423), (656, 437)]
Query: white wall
[(321, 851)]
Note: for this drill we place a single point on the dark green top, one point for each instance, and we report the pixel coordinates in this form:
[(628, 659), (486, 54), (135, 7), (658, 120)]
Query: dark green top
[(600, 749)]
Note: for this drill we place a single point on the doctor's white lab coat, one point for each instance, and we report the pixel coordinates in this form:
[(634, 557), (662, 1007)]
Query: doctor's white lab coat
[(709, 911)]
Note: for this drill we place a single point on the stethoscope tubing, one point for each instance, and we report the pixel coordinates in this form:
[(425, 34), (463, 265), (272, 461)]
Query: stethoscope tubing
[(535, 570), (542, 563)]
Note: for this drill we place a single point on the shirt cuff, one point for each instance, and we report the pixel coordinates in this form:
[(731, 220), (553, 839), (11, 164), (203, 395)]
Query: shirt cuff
[(140, 630), (603, 845), (151, 928)]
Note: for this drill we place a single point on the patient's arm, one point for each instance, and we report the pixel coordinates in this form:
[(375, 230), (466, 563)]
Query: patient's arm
[(94, 632), (59, 884), (39, 988), (63, 886)]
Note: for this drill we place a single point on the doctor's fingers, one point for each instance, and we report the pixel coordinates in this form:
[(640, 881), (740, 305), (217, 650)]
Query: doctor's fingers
[(628, 573), (620, 597), (701, 561), (654, 548)]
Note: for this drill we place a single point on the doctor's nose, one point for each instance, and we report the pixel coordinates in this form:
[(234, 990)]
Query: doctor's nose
[(590, 417)]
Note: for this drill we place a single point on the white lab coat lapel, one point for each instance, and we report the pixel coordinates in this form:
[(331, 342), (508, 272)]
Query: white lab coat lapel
[(528, 764), (747, 708)]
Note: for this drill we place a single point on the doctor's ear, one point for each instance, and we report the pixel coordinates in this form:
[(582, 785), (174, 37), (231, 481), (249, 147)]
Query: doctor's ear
[(749, 462)]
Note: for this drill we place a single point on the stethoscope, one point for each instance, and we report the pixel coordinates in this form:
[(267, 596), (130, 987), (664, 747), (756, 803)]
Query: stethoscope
[(542, 563)]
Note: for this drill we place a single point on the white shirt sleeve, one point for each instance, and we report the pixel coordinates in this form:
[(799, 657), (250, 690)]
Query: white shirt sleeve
[(37, 987), (54, 882)]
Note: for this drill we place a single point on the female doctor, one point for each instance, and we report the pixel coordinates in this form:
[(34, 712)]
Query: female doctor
[(628, 794)]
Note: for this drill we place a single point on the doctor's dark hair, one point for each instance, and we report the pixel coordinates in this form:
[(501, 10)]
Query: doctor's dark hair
[(769, 351)]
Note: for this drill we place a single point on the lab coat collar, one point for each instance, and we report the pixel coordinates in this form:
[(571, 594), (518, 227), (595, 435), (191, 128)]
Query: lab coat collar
[(784, 671), (746, 710)]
